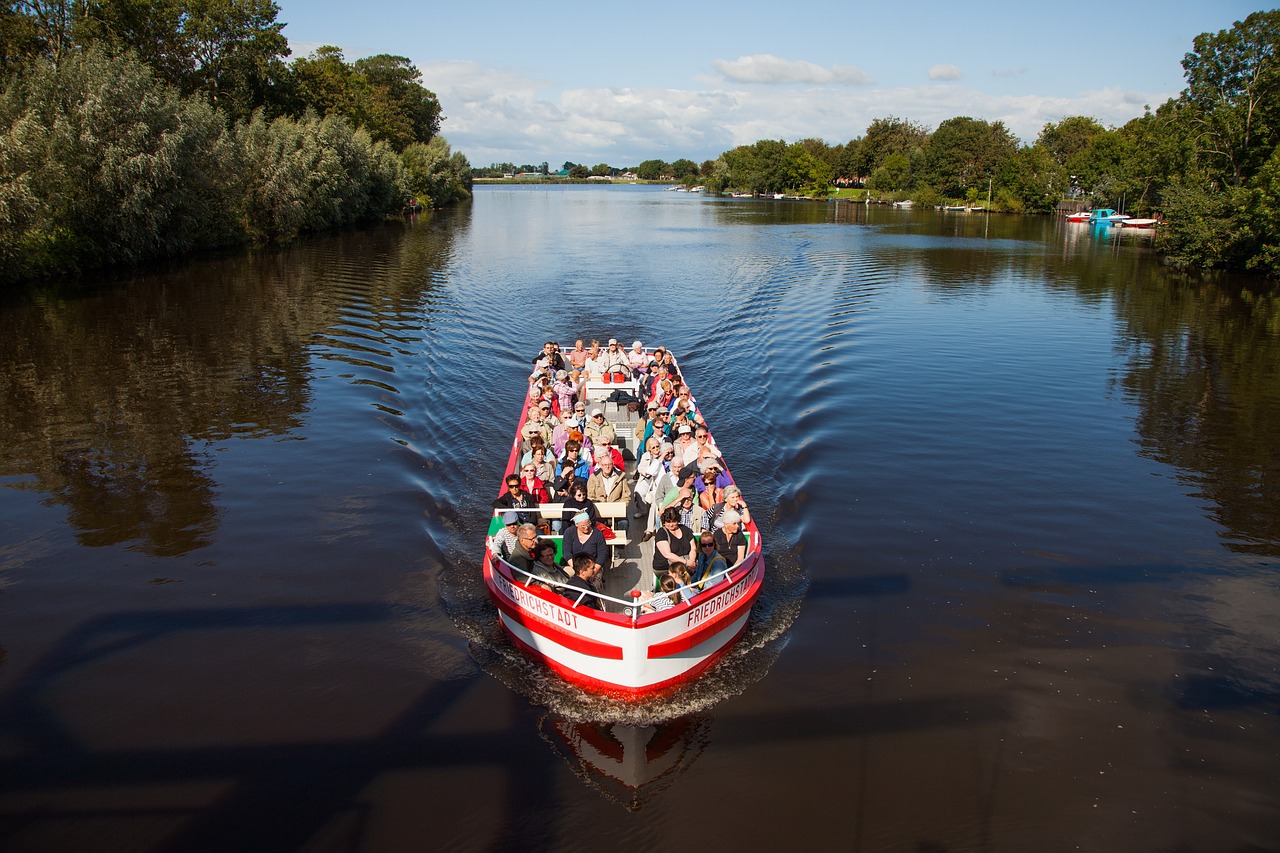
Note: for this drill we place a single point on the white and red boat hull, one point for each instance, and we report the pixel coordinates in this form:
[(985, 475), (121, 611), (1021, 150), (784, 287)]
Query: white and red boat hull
[(619, 653)]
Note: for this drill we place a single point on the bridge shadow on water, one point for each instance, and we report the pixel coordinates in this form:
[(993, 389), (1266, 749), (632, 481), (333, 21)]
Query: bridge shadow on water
[(315, 793)]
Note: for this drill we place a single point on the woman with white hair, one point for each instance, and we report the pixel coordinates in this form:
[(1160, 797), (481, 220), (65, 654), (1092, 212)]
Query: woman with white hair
[(732, 500), (730, 541)]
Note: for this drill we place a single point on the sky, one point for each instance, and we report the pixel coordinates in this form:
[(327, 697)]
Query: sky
[(594, 83)]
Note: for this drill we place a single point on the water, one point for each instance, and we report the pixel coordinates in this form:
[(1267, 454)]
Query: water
[(1017, 483)]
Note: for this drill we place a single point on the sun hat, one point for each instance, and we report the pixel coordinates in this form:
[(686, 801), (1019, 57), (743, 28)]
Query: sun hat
[(510, 517)]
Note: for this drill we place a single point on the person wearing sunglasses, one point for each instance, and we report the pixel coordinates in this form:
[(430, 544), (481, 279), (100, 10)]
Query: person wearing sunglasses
[(516, 498), (711, 563)]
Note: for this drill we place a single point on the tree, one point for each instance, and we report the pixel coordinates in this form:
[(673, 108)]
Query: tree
[(102, 163), (395, 106), (579, 173), (436, 176), (1233, 86), (651, 170), (892, 175), (966, 152), (1032, 180), (884, 136), (381, 93), (1068, 138), (48, 28), (324, 82), (683, 168)]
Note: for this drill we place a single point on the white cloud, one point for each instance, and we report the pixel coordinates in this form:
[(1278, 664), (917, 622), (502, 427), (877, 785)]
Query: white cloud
[(496, 115), (773, 70), (945, 72)]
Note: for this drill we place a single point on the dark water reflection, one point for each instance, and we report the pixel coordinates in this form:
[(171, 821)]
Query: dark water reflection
[(1018, 483)]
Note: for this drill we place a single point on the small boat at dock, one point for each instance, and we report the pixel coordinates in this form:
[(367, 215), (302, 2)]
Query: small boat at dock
[(1105, 216), (619, 650)]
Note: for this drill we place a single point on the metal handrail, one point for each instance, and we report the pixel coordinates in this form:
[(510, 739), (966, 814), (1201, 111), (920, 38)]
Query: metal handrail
[(530, 577)]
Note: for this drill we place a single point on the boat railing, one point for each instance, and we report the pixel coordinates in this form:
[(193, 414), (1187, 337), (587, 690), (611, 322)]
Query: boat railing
[(576, 594), (632, 606)]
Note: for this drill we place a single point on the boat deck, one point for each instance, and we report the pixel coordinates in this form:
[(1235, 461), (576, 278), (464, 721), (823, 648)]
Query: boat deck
[(632, 567)]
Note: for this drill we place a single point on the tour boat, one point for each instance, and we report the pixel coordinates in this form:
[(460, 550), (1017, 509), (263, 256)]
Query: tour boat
[(621, 650)]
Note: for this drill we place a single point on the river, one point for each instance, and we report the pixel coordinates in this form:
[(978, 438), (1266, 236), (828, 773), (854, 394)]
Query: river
[(1019, 485)]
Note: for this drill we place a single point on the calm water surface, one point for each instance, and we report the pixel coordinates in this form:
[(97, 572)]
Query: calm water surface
[(1020, 487)]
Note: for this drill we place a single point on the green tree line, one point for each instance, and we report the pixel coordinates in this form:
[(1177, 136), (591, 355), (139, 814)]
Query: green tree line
[(139, 129), (1207, 161)]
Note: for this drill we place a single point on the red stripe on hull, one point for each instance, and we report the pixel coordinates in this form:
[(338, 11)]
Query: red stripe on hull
[(552, 631), (598, 686)]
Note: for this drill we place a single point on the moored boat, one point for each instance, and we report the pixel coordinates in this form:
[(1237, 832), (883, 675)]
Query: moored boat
[(1139, 223), (1079, 216), (1105, 216), (620, 649)]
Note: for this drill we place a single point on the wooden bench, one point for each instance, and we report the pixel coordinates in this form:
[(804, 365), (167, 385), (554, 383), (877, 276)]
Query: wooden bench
[(610, 512)]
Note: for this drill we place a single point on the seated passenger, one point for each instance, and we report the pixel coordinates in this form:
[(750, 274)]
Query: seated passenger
[(706, 447), (686, 447), (638, 359), (585, 538), (505, 539), (576, 458), (515, 497), (709, 494), (535, 444), (732, 500), (616, 366), (600, 447), (598, 428), (710, 562), (729, 539), (547, 565), (577, 356), (658, 425), (664, 490), (673, 544), (567, 429), (546, 406), (522, 555), (545, 467), (642, 422), (551, 355), (679, 573), (664, 598), (584, 572), (690, 512), (595, 361), (576, 500), (533, 484), (609, 484)]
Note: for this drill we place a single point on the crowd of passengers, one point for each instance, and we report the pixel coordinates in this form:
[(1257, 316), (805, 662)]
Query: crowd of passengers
[(680, 490)]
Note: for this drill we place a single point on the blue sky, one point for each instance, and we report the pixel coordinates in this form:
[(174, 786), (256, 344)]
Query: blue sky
[(580, 81)]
